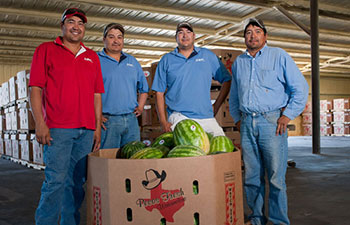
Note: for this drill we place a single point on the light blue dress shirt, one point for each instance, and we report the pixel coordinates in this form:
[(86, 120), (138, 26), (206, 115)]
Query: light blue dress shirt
[(267, 82), (187, 81), (122, 80)]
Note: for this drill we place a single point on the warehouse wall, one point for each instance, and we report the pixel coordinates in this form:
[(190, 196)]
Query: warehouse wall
[(10, 70), (332, 87)]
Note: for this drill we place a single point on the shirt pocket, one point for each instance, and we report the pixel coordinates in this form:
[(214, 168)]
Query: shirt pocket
[(268, 78)]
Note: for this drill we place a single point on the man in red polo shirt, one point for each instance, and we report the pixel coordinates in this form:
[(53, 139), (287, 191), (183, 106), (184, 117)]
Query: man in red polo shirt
[(66, 85)]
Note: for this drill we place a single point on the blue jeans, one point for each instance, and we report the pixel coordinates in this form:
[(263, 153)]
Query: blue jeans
[(263, 151), (121, 129), (62, 191)]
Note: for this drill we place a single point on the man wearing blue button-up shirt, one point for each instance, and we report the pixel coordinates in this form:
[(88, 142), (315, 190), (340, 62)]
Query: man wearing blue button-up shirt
[(267, 91), (123, 78), (185, 74)]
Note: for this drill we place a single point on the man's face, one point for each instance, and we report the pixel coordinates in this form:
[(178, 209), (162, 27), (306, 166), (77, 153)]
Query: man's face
[(73, 29), (255, 38), (114, 41), (185, 38)]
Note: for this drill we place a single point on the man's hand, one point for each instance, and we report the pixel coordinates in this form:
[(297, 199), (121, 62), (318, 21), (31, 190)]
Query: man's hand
[(238, 125), (97, 140), (282, 123), (166, 126), (42, 133), (138, 111), (104, 119)]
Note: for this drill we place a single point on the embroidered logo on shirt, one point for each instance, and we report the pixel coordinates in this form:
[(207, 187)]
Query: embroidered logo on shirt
[(88, 59), (129, 64), (200, 60)]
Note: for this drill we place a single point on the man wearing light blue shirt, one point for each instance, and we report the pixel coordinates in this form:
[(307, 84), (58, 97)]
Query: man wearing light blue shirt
[(267, 91), (185, 74), (123, 78)]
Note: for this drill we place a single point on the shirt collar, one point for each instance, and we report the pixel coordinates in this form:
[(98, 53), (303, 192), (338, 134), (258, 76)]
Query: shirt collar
[(196, 50), (259, 53), (58, 41), (104, 54)]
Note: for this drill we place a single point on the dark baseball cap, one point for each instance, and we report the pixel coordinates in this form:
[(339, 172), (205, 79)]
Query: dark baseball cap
[(184, 24), (255, 22), (74, 12), (113, 26)]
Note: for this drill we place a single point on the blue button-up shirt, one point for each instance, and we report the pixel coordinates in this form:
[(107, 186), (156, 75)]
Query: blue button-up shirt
[(188, 81), (122, 80), (267, 82)]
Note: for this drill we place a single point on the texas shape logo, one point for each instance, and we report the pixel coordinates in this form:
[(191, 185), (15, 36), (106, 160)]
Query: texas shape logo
[(167, 202)]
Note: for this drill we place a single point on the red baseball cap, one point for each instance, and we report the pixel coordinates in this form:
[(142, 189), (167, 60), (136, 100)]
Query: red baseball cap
[(73, 12)]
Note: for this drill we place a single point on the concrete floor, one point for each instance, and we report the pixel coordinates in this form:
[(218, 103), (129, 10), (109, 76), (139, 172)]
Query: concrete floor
[(318, 187)]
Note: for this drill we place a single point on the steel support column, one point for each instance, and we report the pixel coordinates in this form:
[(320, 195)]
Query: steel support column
[(315, 78)]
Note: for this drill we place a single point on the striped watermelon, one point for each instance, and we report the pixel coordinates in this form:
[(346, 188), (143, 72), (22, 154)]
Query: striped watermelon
[(210, 136), (148, 153), (189, 132), (166, 139), (185, 151), (131, 148), (164, 149), (221, 144)]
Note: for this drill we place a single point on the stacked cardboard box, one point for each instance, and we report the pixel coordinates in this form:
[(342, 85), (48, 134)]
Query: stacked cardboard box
[(17, 123), (325, 118), (341, 116)]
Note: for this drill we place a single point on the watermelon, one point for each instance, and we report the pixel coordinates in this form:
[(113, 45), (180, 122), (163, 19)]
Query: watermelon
[(189, 132), (164, 149), (166, 139), (148, 153), (210, 136), (221, 144), (185, 151), (131, 148)]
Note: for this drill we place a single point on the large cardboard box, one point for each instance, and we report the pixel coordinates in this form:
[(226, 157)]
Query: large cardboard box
[(25, 147), (2, 149), (22, 84), (5, 93), (146, 191), (8, 121), (38, 156), (8, 144), (341, 117), (16, 153), (13, 89), (25, 117), (341, 104)]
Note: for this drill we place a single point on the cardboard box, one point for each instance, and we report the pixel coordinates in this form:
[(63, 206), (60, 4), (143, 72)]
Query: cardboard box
[(22, 84), (325, 129), (37, 150), (14, 119), (2, 149), (324, 117), (340, 104), (16, 153), (13, 89), (341, 128), (308, 107), (5, 93), (227, 56), (307, 117), (2, 123), (223, 116), (25, 147), (8, 145), (143, 191), (341, 117), (149, 76), (8, 122), (325, 105), (25, 117)]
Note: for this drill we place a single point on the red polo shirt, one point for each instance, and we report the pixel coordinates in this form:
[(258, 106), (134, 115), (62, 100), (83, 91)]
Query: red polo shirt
[(69, 83)]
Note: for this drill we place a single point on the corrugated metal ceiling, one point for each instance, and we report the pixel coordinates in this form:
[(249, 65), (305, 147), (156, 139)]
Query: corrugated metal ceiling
[(150, 27)]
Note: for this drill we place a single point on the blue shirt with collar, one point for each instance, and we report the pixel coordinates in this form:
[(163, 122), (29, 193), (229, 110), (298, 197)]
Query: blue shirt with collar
[(267, 82), (187, 81), (122, 80)]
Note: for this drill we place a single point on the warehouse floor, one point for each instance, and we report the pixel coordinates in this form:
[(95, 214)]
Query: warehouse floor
[(318, 187)]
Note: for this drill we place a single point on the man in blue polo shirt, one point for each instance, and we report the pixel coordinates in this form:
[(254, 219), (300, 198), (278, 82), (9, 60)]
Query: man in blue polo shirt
[(268, 91), (185, 74), (123, 78)]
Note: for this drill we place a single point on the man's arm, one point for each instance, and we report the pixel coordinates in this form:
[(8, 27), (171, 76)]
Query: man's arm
[(98, 118), (166, 126), (42, 132), (225, 89), (142, 101)]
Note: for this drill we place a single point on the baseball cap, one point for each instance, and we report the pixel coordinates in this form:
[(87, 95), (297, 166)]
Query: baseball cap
[(73, 12), (184, 24), (113, 26), (255, 22)]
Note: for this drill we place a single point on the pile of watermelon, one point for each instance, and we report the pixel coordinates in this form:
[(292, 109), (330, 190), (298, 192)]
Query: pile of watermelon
[(187, 140)]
